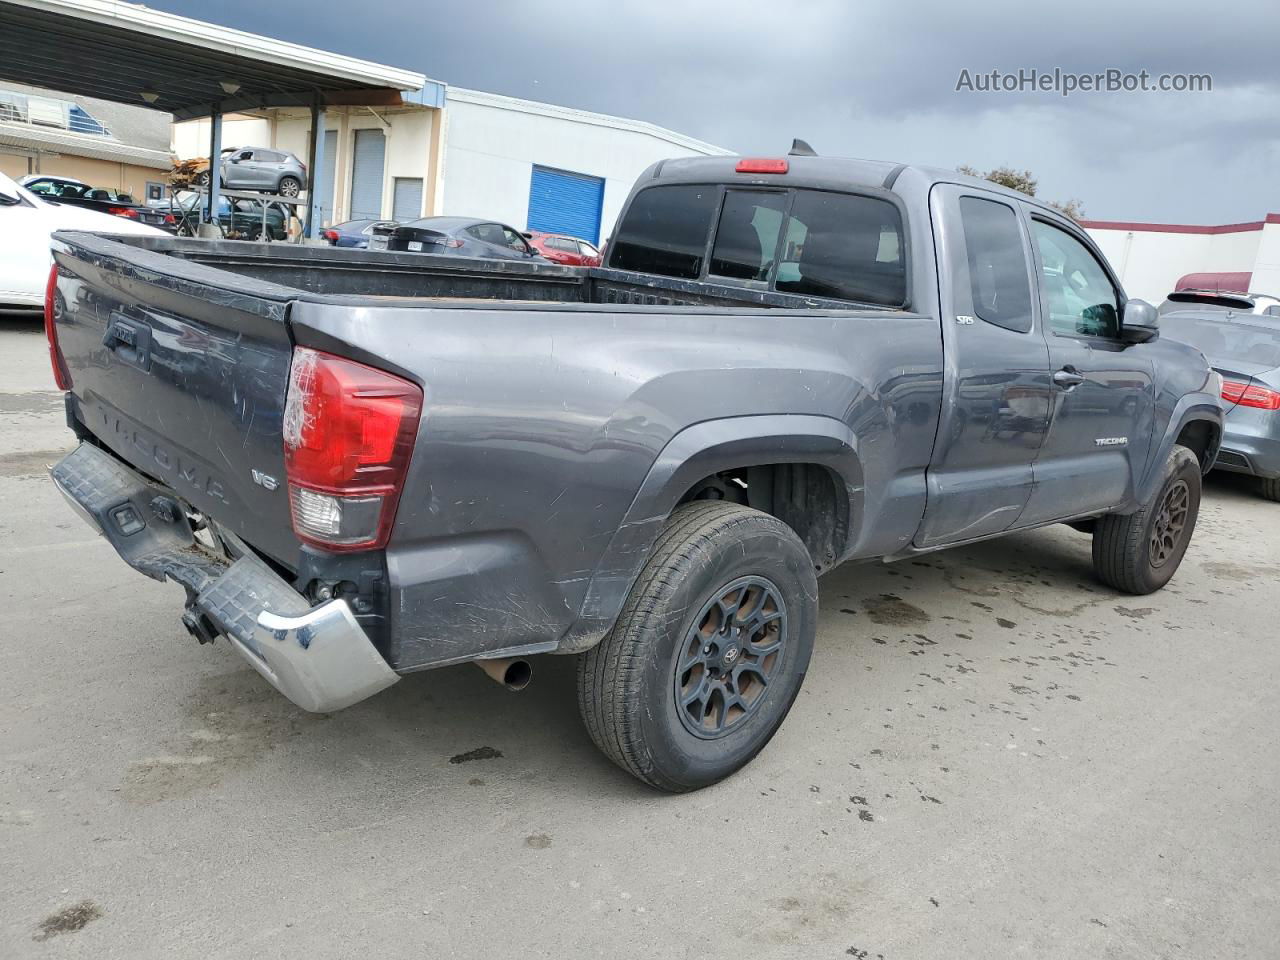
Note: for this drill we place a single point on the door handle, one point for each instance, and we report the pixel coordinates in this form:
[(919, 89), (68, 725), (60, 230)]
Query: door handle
[(1068, 377)]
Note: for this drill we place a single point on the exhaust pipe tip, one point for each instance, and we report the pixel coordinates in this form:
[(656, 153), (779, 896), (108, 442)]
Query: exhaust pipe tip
[(514, 673)]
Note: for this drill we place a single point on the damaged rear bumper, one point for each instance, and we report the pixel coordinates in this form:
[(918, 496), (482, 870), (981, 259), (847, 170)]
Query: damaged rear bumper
[(318, 657)]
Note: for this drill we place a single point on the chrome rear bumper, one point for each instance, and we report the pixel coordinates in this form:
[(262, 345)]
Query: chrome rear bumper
[(318, 657)]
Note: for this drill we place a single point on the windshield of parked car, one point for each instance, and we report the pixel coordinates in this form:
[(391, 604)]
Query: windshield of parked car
[(1249, 338)]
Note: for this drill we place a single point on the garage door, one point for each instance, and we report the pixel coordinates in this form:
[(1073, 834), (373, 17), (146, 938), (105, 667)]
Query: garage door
[(565, 202), (368, 157), (406, 199)]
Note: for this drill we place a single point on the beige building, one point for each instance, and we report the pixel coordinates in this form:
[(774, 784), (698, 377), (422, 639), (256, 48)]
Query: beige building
[(105, 144)]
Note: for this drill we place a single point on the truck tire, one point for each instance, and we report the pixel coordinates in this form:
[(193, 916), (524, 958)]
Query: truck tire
[(1139, 552), (687, 688), (1271, 489)]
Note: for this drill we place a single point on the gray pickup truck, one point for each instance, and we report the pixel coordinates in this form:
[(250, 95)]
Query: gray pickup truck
[(362, 464)]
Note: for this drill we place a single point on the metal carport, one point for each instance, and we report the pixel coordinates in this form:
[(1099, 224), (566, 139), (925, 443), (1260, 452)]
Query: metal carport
[(132, 54)]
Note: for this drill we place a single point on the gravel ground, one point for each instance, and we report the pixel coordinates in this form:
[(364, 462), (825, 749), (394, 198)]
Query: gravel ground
[(993, 756)]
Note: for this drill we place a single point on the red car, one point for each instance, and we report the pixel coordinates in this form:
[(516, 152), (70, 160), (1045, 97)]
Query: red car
[(567, 250)]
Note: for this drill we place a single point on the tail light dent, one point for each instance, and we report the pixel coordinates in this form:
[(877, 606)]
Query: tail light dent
[(348, 436), (52, 314)]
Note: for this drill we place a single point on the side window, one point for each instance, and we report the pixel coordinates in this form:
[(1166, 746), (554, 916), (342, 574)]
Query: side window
[(587, 250), (665, 231), (845, 247), (1081, 299), (999, 282), (514, 240), (747, 234)]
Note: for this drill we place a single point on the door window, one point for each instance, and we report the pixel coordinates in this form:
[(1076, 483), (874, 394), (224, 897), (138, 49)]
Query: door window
[(1077, 290), (587, 250), (513, 240), (999, 281)]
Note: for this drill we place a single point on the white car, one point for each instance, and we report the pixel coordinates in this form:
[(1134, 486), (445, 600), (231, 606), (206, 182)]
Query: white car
[(26, 223)]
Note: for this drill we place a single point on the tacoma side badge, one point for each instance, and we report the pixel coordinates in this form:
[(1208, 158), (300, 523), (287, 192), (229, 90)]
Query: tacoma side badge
[(264, 480)]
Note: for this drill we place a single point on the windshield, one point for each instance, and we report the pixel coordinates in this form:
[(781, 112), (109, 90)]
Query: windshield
[(1249, 339)]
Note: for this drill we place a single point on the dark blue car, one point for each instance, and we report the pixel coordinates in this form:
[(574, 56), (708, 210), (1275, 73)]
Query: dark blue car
[(353, 233)]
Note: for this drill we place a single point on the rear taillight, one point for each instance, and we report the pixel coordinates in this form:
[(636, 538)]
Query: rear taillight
[(170, 220), (330, 235), (348, 434), (762, 165), (53, 309), (128, 212), (1250, 395), (452, 242)]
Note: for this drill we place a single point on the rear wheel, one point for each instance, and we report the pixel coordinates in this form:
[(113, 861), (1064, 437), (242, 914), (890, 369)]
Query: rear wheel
[(201, 179), (290, 186), (709, 652), (1271, 489), (1140, 552)]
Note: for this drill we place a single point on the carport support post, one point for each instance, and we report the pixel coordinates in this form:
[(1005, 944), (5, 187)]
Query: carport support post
[(314, 173), (215, 161)]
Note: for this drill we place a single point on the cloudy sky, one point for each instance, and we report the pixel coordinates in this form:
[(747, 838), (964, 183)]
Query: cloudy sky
[(868, 79)]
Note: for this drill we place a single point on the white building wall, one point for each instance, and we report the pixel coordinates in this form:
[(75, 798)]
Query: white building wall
[(1266, 267), (191, 138), (1150, 261), (494, 142)]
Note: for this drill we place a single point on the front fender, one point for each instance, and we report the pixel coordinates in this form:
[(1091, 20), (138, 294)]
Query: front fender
[(691, 455), (1192, 407)]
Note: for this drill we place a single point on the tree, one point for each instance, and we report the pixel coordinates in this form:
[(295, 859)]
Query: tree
[(1023, 182)]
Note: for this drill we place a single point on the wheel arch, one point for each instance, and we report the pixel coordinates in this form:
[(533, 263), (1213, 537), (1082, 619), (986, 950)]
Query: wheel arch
[(710, 449), (1197, 418)]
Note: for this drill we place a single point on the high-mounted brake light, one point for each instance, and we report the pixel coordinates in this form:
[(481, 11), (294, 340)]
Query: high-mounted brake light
[(763, 165), (1250, 395), (348, 435), (52, 314)]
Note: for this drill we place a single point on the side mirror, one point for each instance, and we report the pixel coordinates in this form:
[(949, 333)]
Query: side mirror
[(1139, 323)]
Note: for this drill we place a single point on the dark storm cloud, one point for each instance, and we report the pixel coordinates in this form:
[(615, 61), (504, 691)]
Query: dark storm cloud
[(868, 79)]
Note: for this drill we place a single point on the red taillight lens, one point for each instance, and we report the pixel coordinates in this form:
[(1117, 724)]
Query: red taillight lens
[(330, 235), (762, 165), (1250, 395), (348, 435), (170, 219), (453, 242), (52, 314), (127, 212)]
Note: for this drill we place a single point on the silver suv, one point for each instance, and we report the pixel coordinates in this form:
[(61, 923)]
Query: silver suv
[(265, 169)]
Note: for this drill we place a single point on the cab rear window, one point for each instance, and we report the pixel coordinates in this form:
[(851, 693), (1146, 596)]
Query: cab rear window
[(817, 243)]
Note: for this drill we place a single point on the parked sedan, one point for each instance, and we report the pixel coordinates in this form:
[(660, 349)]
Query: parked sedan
[(1245, 350), (456, 236), (77, 193), (354, 233), (562, 248), (26, 222)]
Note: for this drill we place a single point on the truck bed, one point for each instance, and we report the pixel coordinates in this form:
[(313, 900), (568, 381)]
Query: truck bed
[(322, 272)]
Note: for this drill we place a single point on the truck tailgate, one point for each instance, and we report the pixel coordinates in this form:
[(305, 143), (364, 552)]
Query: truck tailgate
[(182, 370)]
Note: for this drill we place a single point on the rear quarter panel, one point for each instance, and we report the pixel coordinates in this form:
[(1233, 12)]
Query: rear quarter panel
[(541, 424)]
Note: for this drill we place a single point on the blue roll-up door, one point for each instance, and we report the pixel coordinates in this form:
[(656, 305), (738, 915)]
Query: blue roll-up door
[(564, 202), (368, 159)]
